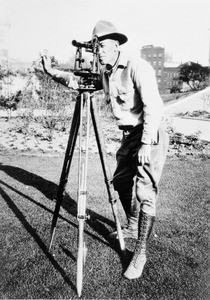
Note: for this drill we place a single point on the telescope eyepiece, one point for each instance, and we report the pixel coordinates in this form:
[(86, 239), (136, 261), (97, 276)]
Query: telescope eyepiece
[(86, 45)]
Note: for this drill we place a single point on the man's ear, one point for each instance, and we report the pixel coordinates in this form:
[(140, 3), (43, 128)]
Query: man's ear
[(117, 43), (116, 46)]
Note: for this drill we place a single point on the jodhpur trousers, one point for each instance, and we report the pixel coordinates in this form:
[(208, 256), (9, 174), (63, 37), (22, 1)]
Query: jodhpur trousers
[(140, 182)]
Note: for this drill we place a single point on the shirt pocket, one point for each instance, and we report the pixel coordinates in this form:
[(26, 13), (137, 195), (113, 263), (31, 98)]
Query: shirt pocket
[(125, 99)]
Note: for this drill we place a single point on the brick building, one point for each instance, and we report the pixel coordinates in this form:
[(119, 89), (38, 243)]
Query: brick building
[(171, 77), (166, 73), (156, 57)]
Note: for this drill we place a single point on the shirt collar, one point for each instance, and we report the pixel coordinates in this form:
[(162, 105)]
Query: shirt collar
[(122, 61), (121, 64)]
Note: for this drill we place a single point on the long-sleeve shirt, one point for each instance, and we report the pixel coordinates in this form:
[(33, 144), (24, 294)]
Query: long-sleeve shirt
[(134, 95), (133, 91)]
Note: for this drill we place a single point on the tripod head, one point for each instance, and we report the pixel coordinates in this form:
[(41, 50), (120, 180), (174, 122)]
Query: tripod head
[(89, 77)]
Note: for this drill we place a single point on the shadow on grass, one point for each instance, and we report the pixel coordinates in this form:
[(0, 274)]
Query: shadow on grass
[(46, 187), (35, 236), (49, 189)]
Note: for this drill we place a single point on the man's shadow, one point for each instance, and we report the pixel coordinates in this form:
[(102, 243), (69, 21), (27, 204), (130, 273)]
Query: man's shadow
[(48, 188)]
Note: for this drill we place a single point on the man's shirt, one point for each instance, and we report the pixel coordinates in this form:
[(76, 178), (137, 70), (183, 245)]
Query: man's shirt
[(131, 87), (134, 95)]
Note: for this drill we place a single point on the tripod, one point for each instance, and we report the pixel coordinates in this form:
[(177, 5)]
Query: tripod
[(84, 99)]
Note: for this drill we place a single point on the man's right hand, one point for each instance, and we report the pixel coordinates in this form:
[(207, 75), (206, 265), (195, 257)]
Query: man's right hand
[(46, 63), (43, 64)]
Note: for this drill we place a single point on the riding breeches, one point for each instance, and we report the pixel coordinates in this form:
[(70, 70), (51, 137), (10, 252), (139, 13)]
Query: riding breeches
[(140, 180)]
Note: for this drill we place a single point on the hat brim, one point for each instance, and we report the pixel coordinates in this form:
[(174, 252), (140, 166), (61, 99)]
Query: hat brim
[(121, 38)]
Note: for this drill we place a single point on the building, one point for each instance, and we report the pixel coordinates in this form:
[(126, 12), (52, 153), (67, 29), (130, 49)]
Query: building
[(171, 77), (167, 74), (156, 57)]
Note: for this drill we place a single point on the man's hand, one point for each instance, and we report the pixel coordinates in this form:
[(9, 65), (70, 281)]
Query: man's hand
[(46, 62), (43, 64), (144, 154)]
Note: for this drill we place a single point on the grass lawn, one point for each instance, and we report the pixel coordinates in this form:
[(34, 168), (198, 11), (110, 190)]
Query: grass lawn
[(178, 260)]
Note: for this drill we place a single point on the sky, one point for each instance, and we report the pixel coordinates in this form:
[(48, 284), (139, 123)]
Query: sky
[(182, 27)]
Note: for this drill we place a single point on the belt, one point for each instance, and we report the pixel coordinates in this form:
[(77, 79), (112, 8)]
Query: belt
[(131, 130), (126, 128)]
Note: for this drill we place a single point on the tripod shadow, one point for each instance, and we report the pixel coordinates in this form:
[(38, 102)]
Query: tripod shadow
[(20, 216), (49, 189), (46, 187)]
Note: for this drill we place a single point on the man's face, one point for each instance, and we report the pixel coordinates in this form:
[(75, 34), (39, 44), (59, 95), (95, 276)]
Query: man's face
[(108, 51)]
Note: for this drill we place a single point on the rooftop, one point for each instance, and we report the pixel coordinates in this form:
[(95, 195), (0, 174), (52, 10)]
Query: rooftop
[(171, 64)]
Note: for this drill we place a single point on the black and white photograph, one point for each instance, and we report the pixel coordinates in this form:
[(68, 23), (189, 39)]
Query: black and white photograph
[(105, 149)]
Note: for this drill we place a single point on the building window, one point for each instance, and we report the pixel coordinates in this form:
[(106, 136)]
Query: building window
[(160, 54)]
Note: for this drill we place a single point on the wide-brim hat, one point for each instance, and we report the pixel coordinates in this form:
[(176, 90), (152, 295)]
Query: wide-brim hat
[(106, 30)]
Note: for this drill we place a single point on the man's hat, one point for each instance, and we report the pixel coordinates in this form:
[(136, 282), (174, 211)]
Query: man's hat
[(106, 30)]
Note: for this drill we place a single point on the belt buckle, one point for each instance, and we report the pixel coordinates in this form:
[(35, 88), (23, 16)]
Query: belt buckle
[(126, 132)]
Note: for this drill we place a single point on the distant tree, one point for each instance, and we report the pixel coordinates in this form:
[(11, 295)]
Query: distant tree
[(194, 75), (175, 89)]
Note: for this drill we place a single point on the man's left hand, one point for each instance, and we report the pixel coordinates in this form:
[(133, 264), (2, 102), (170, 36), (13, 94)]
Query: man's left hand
[(144, 154)]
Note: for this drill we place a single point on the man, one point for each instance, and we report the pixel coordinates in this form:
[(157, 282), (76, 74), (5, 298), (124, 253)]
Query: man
[(137, 106)]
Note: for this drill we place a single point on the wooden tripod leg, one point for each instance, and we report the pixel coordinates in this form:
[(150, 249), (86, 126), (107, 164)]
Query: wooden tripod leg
[(82, 193), (66, 167), (107, 173), (81, 216)]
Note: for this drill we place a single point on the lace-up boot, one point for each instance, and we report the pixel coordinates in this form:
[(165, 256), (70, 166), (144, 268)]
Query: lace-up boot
[(139, 259)]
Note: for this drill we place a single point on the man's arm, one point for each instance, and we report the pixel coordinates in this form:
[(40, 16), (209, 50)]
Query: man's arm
[(68, 79), (145, 80)]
